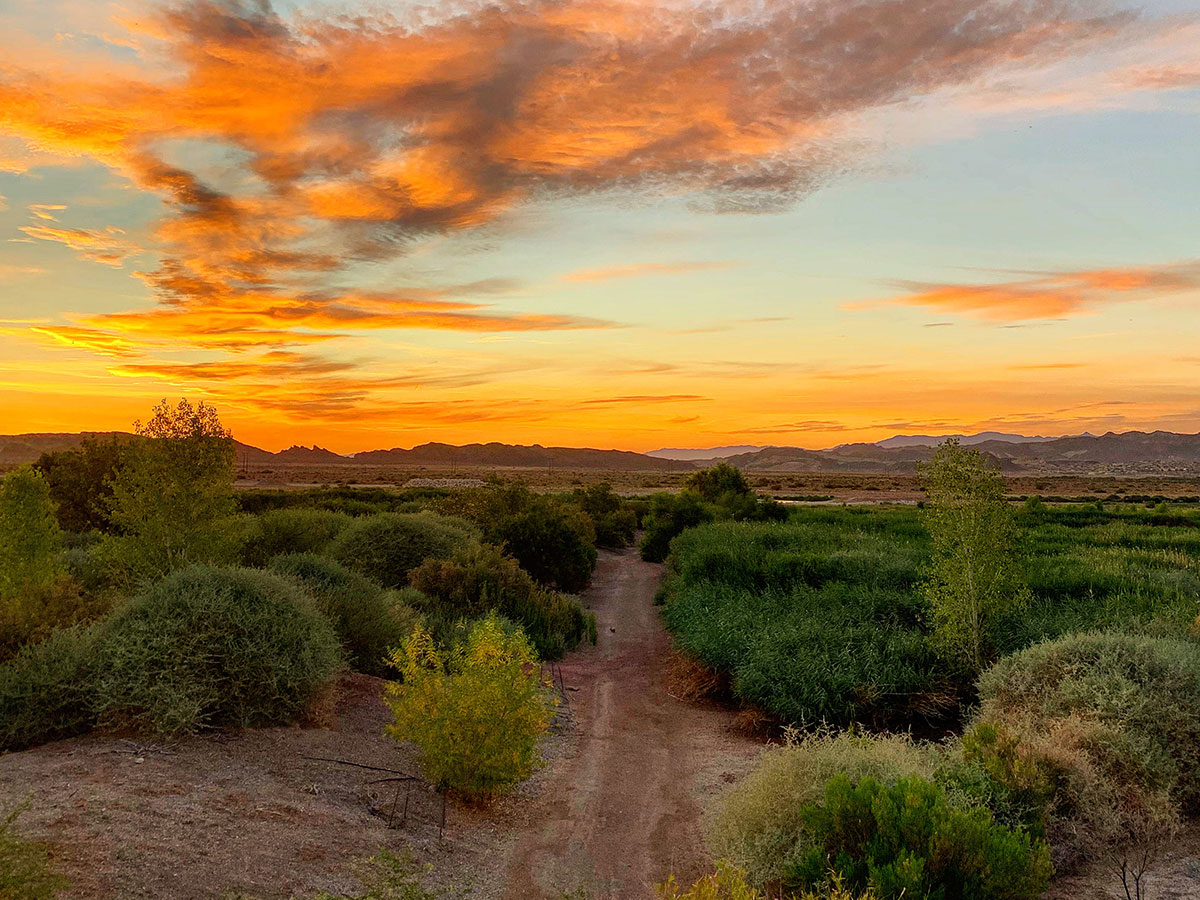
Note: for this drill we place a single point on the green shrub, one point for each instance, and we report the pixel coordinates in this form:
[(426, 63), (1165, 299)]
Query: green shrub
[(1111, 721), (615, 520), (38, 610), (730, 883), (759, 826), (299, 530), (172, 499), (476, 712), (25, 872), (213, 647), (553, 542), (717, 482), (81, 482), (30, 539), (670, 515), (481, 579), (370, 620), (47, 691), (904, 840), (387, 546)]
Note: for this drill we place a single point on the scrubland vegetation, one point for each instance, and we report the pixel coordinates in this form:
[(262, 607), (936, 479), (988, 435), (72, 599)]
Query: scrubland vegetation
[(1049, 656), (975, 693)]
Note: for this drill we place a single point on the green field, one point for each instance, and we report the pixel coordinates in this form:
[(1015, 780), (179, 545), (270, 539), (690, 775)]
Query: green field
[(822, 618)]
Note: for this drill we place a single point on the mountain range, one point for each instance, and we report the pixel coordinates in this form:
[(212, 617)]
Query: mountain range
[(1130, 453)]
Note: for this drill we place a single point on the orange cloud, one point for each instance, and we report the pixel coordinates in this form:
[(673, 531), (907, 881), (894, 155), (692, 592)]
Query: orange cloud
[(1051, 296), (344, 139)]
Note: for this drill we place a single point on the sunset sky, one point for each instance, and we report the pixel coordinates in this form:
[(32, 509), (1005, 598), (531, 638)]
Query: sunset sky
[(609, 223)]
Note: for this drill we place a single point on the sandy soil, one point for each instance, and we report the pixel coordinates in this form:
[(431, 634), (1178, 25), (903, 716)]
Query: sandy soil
[(617, 807)]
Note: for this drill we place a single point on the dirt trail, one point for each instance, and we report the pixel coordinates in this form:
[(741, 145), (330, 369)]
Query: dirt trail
[(624, 811)]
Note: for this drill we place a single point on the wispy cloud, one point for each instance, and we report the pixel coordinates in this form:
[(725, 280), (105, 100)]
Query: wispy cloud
[(636, 270), (108, 246), (1047, 295)]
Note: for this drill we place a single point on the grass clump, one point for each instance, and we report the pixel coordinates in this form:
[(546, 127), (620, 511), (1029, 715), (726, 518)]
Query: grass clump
[(730, 883), (387, 546), (369, 619), (903, 839), (1109, 723), (213, 647), (25, 872), (761, 827), (480, 579), (475, 711), (291, 530)]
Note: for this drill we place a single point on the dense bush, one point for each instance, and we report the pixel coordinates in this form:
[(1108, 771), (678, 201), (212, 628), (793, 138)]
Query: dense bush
[(553, 542), (552, 538), (615, 519), (369, 619), (25, 872), (670, 515), (904, 840), (81, 482), (387, 546), (30, 539), (814, 625), (1110, 722), (760, 825), (716, 482), (37, 610), (291, 530), (213, 647), (47, 689), (481, 579), (475, 712)]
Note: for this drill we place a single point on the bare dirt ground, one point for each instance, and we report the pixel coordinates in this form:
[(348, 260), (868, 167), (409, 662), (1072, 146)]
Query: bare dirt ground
[(624, 811), (618, 806)]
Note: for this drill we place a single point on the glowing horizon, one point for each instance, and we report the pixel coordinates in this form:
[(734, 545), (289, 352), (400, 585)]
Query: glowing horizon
[(607, 223)]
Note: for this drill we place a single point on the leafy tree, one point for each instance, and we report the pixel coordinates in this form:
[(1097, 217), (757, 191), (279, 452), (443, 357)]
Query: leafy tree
[(716, 482), (30, 539), (173, 501), (81, 482), (476, 711), (972, 576)]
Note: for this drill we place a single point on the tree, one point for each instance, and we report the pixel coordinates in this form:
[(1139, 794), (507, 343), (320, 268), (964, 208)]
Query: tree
[(81, 481), (972, 574), (173, 501), (718, 481), (30, 539)]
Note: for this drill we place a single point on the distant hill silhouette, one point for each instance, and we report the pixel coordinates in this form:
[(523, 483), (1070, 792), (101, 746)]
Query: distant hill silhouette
[(22, 448), (967, 440), (1130, 453)]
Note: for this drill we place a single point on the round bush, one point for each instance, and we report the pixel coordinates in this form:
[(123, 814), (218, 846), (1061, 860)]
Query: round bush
[(760, 826), (1113, 720), (214, 647), (299, 530), (370, 620), (387, 546)]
